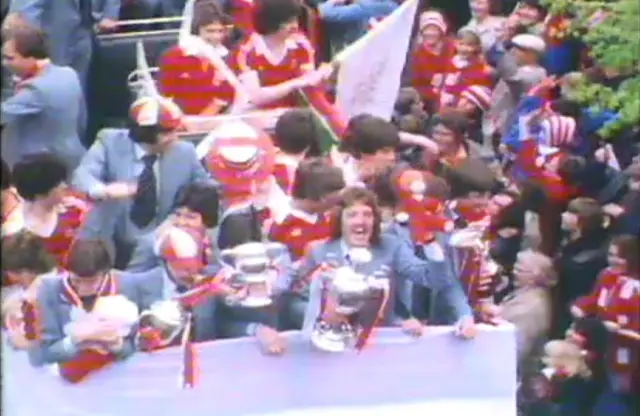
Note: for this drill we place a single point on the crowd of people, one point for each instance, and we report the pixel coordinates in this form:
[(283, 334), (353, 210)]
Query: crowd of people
[(488, 196)]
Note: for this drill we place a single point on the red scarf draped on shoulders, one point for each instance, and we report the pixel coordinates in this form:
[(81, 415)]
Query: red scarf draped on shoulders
[(91, 359)]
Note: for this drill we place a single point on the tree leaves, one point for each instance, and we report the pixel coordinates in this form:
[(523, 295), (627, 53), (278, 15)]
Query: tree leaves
[(615, 45)]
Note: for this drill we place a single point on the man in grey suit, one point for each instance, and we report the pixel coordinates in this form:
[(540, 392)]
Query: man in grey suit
[(180, 266), (69, 26), (47, 111), (137, 175)]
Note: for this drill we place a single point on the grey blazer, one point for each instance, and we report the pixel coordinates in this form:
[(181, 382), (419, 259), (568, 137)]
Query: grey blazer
[(395, 257), (45, 115), (56, 313), (70, 37), (152, 286), (114, 158)]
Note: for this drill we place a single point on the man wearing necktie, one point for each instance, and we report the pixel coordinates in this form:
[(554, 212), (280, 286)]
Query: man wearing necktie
[(69, 26), (137, 174)]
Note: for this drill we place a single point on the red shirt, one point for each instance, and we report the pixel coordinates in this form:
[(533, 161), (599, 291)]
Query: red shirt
[(192, 82), (242, 15), (284, 171), (461, 74), (297, 230), (535, 166), (71, 215), (616, 298), (253, 56), (427, 68)]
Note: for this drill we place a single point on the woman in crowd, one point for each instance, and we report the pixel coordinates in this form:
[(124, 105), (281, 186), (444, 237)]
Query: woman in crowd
[(431, 54), (615, 300), (529, 306), (484, 23), (581, 257)]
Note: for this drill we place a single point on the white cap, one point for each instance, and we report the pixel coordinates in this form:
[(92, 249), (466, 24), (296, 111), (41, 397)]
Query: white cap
[(530, 42), (432, 18)]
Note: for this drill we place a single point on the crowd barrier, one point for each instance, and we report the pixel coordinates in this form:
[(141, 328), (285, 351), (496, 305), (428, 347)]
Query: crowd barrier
[(437, 374)]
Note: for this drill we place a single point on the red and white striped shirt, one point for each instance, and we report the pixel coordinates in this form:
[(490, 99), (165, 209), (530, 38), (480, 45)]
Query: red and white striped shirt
[(253, 56), (298, 230)]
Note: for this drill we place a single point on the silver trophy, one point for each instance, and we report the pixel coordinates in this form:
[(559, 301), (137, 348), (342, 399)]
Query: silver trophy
[(472, 239), (166, 316), (346, 292), (252, 272)]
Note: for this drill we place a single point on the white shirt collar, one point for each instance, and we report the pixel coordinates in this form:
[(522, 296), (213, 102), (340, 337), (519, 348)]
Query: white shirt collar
[(260, 47), (139, 151)]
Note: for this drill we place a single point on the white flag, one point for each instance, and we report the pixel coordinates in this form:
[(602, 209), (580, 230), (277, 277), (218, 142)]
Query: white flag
[(370, 69)]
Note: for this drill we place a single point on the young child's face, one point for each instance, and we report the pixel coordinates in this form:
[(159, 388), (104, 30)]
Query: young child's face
[(466, 47), (431, 36)]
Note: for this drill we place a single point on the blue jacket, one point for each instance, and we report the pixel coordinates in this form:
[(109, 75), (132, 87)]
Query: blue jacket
[(562, 58), (348, 21), (392, 256)]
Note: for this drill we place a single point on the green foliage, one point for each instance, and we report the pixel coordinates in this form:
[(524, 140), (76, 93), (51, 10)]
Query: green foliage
[(615, 45)]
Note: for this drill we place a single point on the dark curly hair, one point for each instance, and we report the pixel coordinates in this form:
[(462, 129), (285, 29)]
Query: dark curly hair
[(270, 15), (37, 175)]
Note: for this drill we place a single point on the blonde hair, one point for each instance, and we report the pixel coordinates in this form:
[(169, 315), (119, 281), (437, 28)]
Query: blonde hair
[(568, 356), (544, 269)]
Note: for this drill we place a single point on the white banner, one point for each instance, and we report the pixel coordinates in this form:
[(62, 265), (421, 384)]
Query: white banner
[(370, 69), (437, 374)]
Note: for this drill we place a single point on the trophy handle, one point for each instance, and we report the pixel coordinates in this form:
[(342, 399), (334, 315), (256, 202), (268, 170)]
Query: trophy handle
[(275, 250), (143, 315), (227, 258)]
